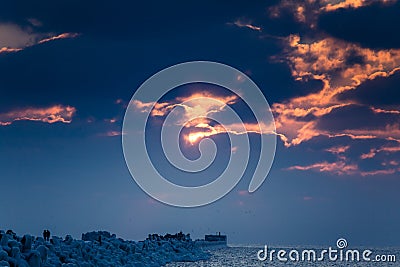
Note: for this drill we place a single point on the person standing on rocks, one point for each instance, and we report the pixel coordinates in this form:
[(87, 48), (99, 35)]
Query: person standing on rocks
[(48, 235), (44, 234)]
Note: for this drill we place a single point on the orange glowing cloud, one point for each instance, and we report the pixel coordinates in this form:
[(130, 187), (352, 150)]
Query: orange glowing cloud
[(228, 100), (390, 149), (369, 155), (345, 4), (113, 133), (298, 8), (339, 168), (57, 113), (194, 137), (338, 149), (199, 106), (202, 130), (390, 132), (142, 106), (9, 50), (14, 38), (372, 153), (112, 120), (325, 60), (379, 110), (246, 24), (308, 11), (343, 168), (329, 60), (352, 4), (66, 35), (378, 172), (195, 105), (303, 112)]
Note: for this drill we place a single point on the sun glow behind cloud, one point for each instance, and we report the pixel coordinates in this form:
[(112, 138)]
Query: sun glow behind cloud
[(198, 105), (194, 137)]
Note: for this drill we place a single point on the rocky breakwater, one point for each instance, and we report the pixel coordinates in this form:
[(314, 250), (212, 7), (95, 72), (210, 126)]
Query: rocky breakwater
[(95, 249)]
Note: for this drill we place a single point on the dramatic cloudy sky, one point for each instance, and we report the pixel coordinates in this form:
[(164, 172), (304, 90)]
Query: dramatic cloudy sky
[(330, 70)]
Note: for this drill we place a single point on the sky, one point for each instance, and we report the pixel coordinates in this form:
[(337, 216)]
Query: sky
[(330, 71)]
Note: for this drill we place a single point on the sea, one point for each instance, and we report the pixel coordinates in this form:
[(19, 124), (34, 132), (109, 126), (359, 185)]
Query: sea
[(247, 256)]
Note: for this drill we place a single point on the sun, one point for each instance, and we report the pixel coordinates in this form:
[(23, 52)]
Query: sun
[(194, 137)]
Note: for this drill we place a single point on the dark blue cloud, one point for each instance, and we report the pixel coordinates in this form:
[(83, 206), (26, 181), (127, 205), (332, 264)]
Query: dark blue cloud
[(373, 26), (126, 19), (356, 117), (380, 92)]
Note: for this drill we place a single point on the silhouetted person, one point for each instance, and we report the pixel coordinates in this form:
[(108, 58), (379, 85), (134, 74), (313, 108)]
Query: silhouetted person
[(46, 235), (100, 240)]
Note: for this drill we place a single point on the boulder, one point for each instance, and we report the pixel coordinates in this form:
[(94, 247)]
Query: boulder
[(26, 242), (34, 259)]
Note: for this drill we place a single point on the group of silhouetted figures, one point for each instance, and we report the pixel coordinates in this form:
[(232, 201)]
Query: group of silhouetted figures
[(46, 235), (179, 236)]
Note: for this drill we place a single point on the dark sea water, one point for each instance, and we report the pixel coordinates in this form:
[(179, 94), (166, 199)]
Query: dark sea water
[(247, 256)]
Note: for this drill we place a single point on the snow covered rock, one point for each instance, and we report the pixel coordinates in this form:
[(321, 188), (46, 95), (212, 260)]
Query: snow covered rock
[(43, 251), (26, 242), (34, 259), (96, 249)]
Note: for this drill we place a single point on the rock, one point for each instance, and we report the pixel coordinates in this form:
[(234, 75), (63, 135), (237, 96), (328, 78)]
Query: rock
[(22, 263), (26, 243), (56, 241), (34, 259), (29, 251), (15, 253), (68, 239), (94, 236), (43, 253), (40, 241), (3, 239), (13, 243), (3, 255)]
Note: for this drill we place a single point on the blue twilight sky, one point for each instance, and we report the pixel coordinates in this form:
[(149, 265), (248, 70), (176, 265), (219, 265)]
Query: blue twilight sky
[(330, 71)]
